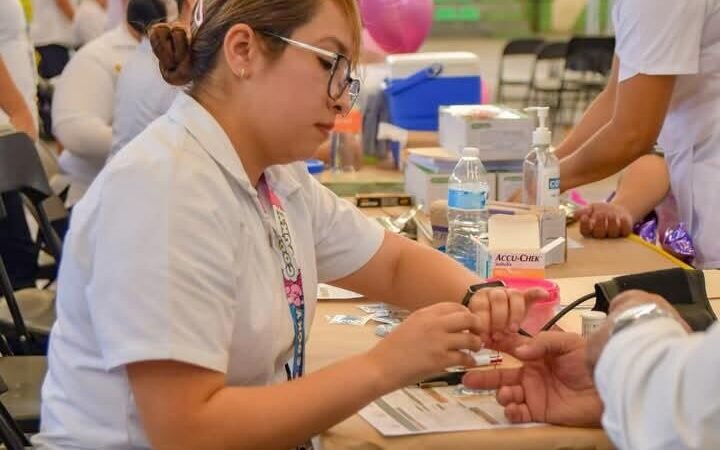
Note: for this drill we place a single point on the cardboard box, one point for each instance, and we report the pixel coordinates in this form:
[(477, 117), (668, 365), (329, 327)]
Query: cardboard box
[(507, 184), (551, 222), (428, 186), (501, 134), (514, 247)]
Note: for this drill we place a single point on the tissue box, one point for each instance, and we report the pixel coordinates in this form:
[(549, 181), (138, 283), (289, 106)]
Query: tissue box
[(501, 134)]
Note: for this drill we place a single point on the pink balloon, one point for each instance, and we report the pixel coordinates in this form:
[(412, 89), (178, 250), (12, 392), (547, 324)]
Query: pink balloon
[(369, 43), (398, 26)]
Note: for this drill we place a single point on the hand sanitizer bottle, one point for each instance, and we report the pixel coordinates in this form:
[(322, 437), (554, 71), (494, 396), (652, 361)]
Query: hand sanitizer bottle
[(541, 168)]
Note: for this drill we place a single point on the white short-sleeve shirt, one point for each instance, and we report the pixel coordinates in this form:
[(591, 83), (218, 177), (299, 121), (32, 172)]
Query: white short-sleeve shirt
[(682, 38), (17, 54), (50, 26), (169, 257), (141, 96), (82, 107), (89, 22)]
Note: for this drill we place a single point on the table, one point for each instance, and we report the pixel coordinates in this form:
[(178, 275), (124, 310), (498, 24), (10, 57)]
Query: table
[(595, 261), (330, 343), (596, 257)]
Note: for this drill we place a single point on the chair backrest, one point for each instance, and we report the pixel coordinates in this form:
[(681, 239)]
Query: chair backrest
[(21, 171), (590, 54), (528, 46), (553, 50), (10, 433)]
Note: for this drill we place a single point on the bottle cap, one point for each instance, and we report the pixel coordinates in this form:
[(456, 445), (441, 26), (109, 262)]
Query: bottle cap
[(591, 321)]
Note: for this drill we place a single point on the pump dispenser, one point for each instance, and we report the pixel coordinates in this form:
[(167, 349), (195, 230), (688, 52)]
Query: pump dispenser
[(541, 168)]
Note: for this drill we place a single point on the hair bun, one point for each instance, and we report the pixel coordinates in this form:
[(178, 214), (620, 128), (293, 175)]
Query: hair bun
[(171, 45)]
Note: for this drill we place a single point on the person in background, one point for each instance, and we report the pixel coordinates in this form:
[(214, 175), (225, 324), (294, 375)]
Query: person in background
[(189, 278), (82, 108), (52, 34), (116, 12), (89, 21), (664, 88), (644, 376), (142, 95), (17, 112)]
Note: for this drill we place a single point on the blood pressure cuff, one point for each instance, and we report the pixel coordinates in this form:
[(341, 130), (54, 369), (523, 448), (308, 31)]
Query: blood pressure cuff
[(684, 289)]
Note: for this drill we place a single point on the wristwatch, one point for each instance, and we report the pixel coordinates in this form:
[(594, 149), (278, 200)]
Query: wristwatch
[(476, 287), (640, 313)]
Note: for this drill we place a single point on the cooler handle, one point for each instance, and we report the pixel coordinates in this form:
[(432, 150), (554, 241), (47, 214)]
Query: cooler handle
[(428, 73)]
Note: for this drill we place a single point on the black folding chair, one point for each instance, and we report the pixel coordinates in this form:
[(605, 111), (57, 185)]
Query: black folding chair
[(517, 51), (27, 316), (547, 74), (587, 68), (11, 434)]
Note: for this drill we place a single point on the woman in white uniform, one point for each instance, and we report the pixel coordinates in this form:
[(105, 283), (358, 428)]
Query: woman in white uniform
[(189, 278), (17, 71), (83, 103), (142, 95), (17, 112), (52, 34), (665, 87), (89, 21)]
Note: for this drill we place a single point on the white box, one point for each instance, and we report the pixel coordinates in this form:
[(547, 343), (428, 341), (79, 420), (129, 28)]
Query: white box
[(455, 64), (514, 248), (427, 186), (507, 184), (551, 221), (501, 134)]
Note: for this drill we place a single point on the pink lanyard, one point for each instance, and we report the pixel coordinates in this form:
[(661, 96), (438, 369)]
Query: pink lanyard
[(292, 277)]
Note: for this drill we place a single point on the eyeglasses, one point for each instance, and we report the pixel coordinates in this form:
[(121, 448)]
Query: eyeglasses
[(340, 70)]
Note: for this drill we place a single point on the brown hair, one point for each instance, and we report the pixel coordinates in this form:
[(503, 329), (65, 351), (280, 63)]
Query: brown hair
[(190, 56)]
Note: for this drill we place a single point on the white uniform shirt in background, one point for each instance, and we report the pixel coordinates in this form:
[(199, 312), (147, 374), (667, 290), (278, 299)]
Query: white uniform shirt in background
[(89, 22), (50, 26), (83, 108), (141, 96), (115, 13), (660, 387), (168, 257), (17, 53), (670, 37)]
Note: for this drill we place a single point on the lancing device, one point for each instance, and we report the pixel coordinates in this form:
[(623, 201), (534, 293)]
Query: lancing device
[(454, 375)]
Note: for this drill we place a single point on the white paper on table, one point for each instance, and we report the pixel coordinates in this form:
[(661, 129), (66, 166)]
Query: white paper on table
[(327, 292), (413, 410), (572, 244)]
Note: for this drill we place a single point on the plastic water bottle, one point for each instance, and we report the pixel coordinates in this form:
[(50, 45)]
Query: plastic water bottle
[(467, 208)]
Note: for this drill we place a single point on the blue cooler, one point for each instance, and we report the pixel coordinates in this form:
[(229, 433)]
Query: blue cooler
[(420, 83)]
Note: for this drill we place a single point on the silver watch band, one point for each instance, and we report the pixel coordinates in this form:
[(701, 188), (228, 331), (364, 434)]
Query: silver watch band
[(637, 314)]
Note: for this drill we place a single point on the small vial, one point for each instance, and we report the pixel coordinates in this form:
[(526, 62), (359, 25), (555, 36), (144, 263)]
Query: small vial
[(591, 321)]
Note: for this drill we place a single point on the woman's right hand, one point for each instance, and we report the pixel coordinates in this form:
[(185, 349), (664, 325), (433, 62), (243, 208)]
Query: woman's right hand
[(428, 341)]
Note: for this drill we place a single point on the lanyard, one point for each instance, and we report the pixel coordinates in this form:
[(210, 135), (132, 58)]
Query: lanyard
[(292, 278)]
